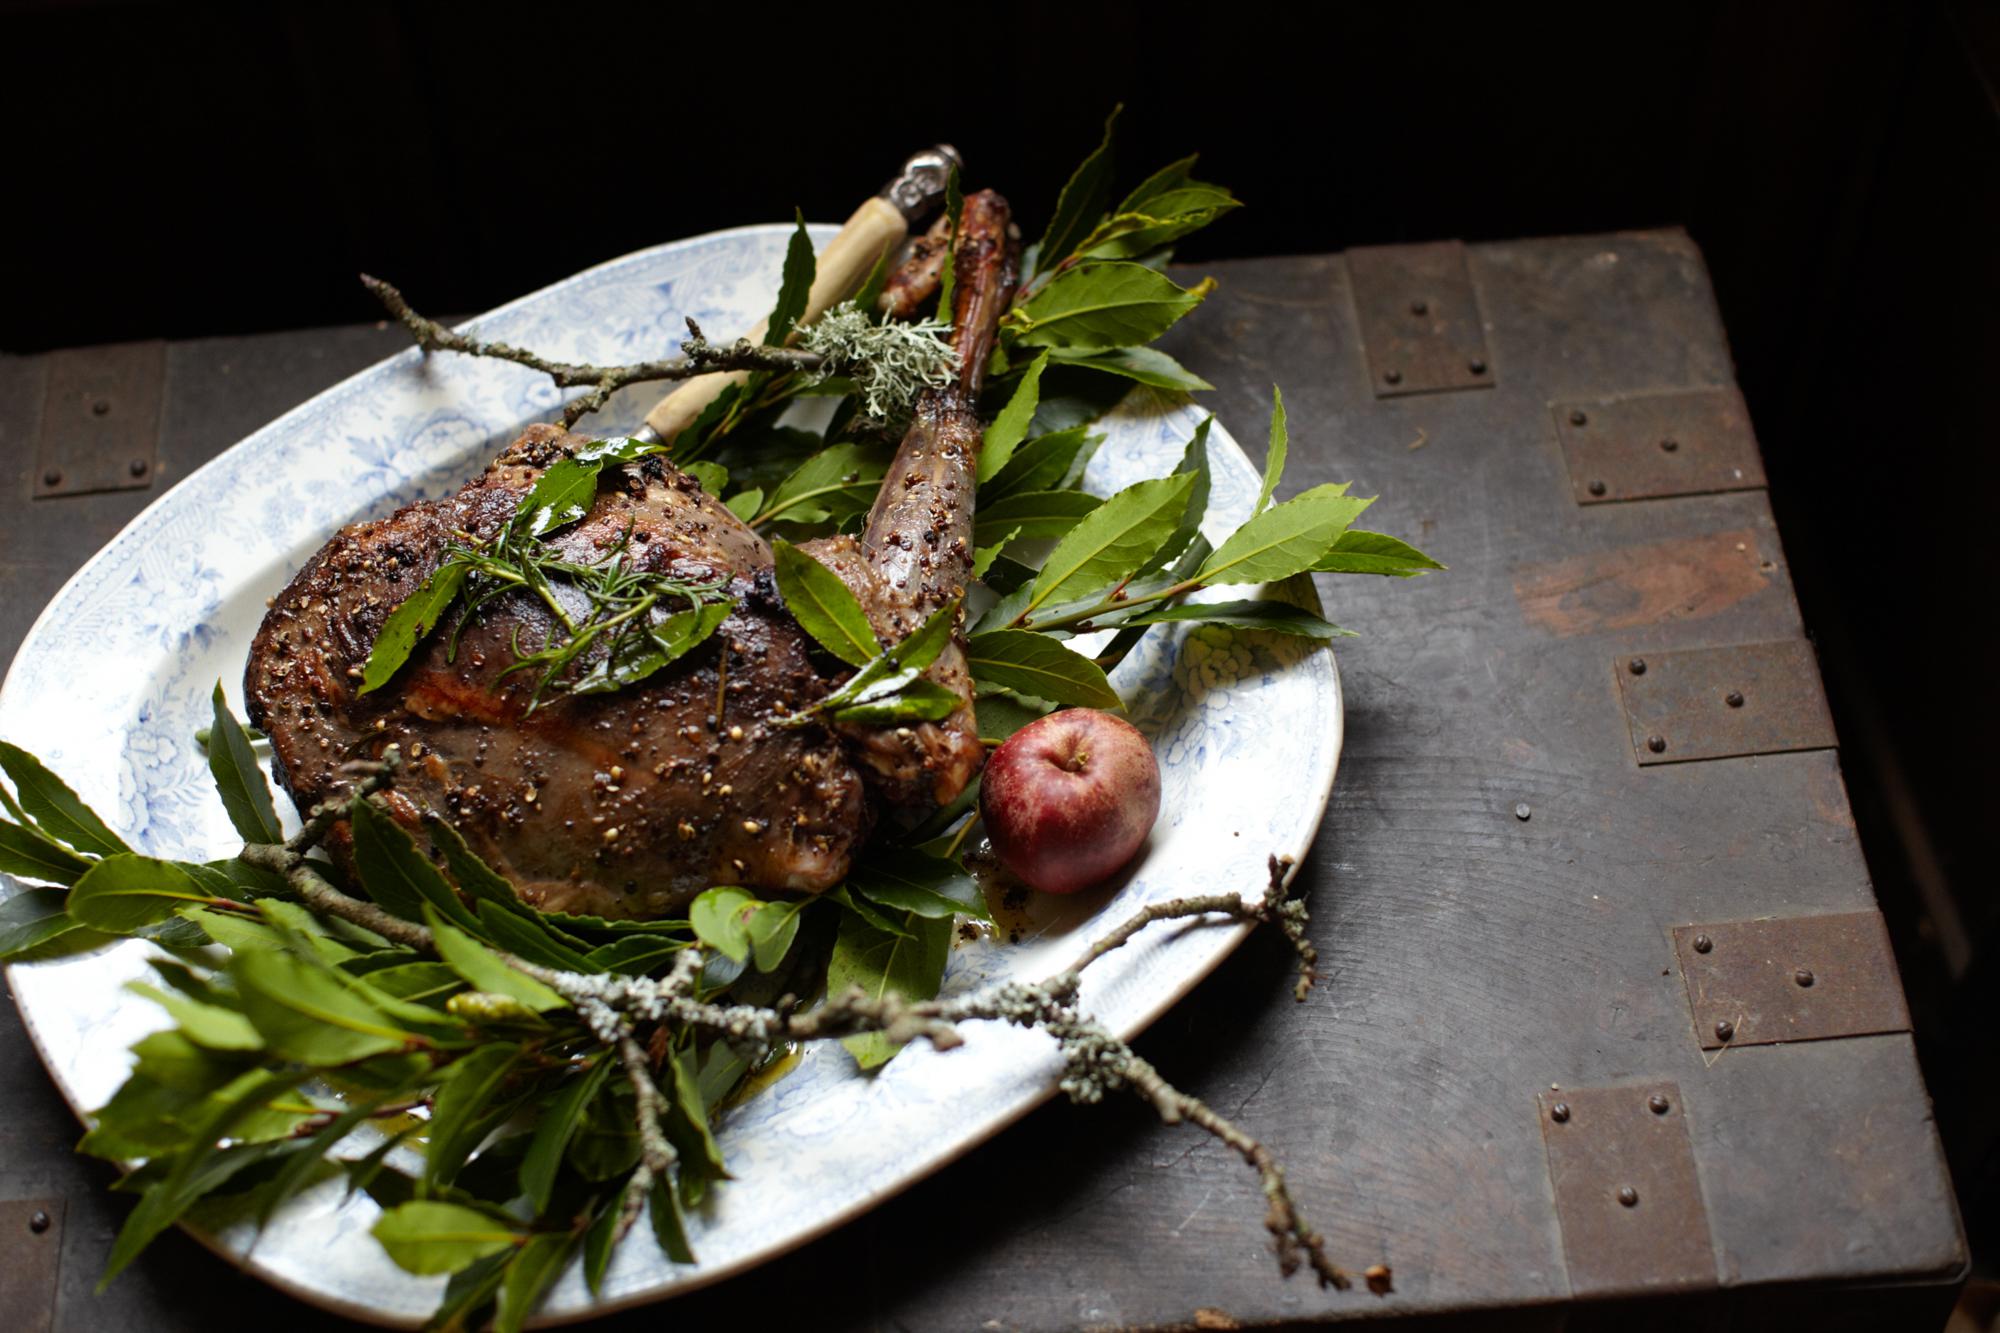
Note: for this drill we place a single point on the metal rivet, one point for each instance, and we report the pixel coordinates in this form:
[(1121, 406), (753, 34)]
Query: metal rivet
[(1734, 698), (1559, 1113), (1702, 944), (1725, 1029), (1577, 418), (1598, 488), (1670, 445), (1420, 307), (139, 466), (1521, 810), (1659, 1104), (53, 477), (39, 1221), (1803, 976), (1476, 366), (1657, 744), (1392, 377), (102, 407), (1628, 1196), (1637, 666)]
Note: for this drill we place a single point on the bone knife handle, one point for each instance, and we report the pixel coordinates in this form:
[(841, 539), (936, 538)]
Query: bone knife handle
[(876, 228)]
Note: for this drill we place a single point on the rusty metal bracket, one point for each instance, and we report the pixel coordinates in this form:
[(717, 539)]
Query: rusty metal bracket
[(1627, 1198), (1795, 978), (1713, 703), (31, 1233), (1420, 321), (101, 419), (1696, 442)]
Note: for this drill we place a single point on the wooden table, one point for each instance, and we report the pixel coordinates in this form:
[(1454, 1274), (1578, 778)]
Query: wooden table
[(1511, 1029)]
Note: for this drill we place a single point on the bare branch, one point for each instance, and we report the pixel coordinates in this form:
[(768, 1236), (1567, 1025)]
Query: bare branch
[(699, 356)]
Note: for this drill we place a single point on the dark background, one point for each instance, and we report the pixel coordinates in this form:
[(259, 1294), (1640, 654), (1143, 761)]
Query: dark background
[(188, 170)]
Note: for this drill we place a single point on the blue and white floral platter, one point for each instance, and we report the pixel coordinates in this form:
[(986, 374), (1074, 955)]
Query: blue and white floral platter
[(113, 681)]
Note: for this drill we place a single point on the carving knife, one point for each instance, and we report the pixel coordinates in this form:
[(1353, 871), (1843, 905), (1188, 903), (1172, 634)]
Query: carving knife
[(876, 228)]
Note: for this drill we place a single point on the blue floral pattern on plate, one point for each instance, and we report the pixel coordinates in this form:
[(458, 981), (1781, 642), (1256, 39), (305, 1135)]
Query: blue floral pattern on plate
[(113, 681)]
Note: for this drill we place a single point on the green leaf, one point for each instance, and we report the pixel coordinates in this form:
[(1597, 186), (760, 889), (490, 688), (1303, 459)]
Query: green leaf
[(1284, 540), (416, 616), (426, 1236), (197, 1170), (837, 482), (823, 605), (869, 296), (771, 930), (1103, 304), (473, 875), (206, 1025), (1170, 177), (641, 654), (121, 893), (1274, 457), (633, 955), (1041, 464), (713, 476), (665, 1212), (523, 932), (1033, 514), (485, 971), (1276, 617), (910, 964), (911, 881), (984, 556), (28, 854), (238, 780), (795, 286), (1082, 200), (720, 917), (560, 496), (530, 1273), (954, 209), (1001, 715), (598, 1242), (1010, 427), (1194, 463), (307, 1014), (33, 920), (555, 1129), (463, 1109), (867, 911), (917, 701), (1360, 552), (922, 646), (61, 814), (1113, 541), (1164, 219), (395, 873), (1146, 365), (1037, 665), (892, 676), (701, 1155), (745, 504)]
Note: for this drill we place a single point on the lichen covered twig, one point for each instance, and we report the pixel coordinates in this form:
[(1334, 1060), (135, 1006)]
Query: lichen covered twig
[(698, 356)]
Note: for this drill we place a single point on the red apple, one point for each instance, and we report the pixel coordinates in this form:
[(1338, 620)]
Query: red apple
[(1069, 798)]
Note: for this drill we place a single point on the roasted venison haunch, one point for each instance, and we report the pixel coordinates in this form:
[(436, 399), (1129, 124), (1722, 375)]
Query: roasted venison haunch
[(630, 802)]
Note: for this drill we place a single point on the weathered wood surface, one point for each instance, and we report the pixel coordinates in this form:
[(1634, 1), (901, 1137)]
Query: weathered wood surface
[(1472, 958)]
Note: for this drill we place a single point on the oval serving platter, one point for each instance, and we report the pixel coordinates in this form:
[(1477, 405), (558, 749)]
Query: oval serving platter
[(1246, 726)]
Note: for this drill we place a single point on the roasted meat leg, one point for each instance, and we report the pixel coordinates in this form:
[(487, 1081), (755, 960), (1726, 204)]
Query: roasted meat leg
[(628, 804)]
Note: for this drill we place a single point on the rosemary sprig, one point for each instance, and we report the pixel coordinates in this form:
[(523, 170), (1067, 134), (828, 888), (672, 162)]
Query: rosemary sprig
[(638, 614)]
